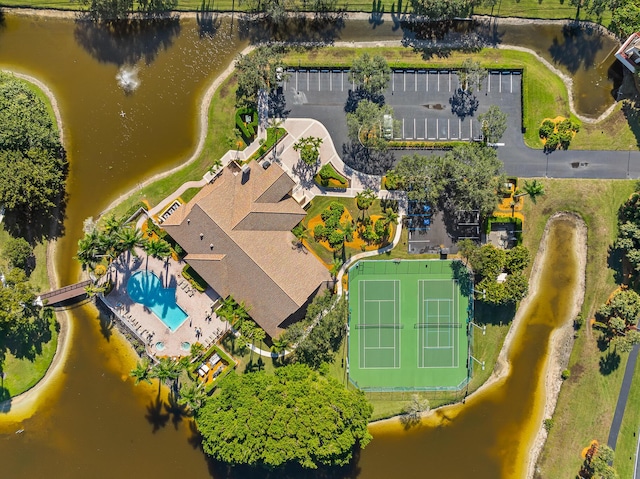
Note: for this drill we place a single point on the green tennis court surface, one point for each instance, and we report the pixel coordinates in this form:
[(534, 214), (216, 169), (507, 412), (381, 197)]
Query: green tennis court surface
[(407, 325)]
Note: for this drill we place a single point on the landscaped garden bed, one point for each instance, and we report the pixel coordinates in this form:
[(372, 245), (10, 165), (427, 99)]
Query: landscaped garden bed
[(328, 177), (336, 227), (274, 136)]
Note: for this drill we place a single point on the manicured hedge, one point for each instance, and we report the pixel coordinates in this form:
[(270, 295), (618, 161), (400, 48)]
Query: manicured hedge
[(194, 278), (424, 145), (248, 130)]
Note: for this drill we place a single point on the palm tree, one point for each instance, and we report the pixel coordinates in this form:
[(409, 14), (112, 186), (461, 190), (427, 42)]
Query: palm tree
[(364, 200), (166, 369), (192, 396), (112, 225), (93, 289), (196, 350), (335, 268), (158, 249), (141, 372), (129, 238), (301, 234), (89, 249), (390, 217), (279, 345), (240, 315), (532, 188)]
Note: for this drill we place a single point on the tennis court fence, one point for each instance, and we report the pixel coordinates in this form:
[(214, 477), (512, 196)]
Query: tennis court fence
[(405, 266), (408, 391)]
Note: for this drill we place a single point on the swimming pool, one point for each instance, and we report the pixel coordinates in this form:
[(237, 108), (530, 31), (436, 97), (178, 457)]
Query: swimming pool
[(145, 288)]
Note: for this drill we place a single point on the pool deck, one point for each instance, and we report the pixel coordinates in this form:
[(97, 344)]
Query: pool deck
[(201, 325)]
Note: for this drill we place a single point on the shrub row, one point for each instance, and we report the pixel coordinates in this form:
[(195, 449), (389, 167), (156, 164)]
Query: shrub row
[(248, 130), (194, 278), (423, 145)]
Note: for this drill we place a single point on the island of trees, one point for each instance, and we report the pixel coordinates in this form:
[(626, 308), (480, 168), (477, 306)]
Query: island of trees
[(33, 171)]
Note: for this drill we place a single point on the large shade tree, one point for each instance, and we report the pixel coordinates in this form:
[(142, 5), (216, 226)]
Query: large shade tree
[(33, 167), (370, 73), (256, 72), (465, 178), (294, 416)]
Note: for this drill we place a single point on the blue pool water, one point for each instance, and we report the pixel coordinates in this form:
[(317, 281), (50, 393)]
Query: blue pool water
[(145, 288)]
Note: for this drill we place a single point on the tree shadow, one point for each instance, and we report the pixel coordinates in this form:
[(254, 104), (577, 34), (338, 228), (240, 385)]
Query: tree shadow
[(156, 414), (631, 111), (278, 104), (208, 21), (291, 471), (377, 14), (27, 339), (439, 38), (493, 314), (129, 41), (463, 103), (615, 261), (322, 29), (360, 94), (602, 343), (463, 276), (609, 362), (578, 47), (176, 411), (37, 224), (254, 365), (367, 160), (305, 173)]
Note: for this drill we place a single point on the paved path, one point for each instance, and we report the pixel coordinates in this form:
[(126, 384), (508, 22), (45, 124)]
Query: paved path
[(621, 405)]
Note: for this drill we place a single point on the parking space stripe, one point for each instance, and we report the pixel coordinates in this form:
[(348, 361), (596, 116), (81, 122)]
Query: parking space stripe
[(449, 81), (404, 80), (489, 83), (448, 129), (511, 77), (297, 89)]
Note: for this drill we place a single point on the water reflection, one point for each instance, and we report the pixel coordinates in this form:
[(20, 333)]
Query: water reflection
[(578, 47), (127, 42), (321, 29)]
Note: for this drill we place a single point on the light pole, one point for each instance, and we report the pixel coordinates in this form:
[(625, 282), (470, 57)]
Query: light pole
[(481, 363)]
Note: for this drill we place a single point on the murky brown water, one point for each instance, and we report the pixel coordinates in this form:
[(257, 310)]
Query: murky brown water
[(94, 423)]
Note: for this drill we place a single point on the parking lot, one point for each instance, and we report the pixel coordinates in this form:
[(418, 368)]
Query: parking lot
[(420, 100)]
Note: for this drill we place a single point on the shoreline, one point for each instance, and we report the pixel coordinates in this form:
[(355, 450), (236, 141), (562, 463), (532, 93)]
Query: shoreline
[(560, 342), (23, 404), (501, 367)]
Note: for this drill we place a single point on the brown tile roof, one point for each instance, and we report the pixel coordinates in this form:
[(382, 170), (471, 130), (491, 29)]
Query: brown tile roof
[(249, 225)]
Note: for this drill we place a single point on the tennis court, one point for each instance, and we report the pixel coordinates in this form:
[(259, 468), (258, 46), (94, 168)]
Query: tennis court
[(407, 325)]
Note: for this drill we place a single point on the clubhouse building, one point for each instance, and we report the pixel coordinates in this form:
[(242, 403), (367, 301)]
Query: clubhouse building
[(237, 235)]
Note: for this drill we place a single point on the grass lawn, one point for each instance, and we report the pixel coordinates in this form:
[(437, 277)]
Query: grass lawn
[(578, 421), (247, 360), (506, 8), (21, 373), (627, 439), (221, 124)]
